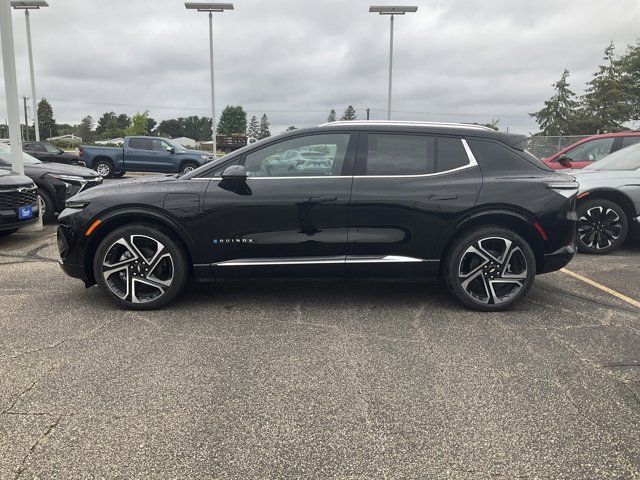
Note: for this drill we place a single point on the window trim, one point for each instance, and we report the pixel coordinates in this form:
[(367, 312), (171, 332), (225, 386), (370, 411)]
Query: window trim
[(470, 156)]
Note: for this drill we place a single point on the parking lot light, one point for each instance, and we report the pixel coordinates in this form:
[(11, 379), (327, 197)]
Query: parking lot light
[(392, 11), (27, 5), (210, 8)]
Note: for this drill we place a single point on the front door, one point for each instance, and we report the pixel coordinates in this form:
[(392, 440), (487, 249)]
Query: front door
[(290, 217), (407, 189)]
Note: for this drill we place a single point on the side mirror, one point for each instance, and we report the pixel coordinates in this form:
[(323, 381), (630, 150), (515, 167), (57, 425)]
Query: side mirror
[(235, 172), (171, 150), (564, 161)]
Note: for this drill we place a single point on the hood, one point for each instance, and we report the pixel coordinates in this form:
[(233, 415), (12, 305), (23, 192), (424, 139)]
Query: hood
[(198, 152), (9, 179), (124, 185), (60, 169)]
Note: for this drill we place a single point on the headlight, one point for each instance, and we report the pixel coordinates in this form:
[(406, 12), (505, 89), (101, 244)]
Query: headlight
[(73, 179), (76, 204), (206, 158)]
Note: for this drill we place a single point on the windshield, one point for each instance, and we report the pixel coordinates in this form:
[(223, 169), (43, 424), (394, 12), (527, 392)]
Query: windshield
[(5, 156), (625, 159)]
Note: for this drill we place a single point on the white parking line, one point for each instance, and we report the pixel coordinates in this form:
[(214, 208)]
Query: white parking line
[(608, 290)]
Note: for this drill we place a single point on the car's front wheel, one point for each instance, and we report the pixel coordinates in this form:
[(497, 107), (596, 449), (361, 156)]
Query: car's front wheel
[(187, 167), (490, 268), (140, 267), (602, 226)]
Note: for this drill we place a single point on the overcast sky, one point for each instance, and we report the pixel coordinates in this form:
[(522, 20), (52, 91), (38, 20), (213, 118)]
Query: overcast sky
[(455, 60)]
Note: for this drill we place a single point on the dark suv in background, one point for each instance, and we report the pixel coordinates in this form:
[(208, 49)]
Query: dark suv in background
[(47, 152), (347, 199)]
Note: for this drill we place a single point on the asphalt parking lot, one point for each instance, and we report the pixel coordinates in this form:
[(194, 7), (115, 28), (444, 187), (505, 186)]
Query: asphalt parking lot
[(318, 380)]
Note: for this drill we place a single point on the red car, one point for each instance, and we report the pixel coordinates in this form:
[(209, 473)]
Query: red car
[(591, 149)]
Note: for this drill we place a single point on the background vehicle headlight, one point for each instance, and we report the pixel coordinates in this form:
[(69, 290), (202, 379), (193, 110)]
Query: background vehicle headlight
[(76, 204)]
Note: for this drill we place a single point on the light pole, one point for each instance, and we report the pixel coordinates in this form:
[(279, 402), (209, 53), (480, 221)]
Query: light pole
[(11, 86), (210, 8), (27, 5), (392, 12)]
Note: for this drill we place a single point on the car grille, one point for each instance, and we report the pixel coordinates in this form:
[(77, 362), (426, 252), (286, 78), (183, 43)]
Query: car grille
[(18, 197)]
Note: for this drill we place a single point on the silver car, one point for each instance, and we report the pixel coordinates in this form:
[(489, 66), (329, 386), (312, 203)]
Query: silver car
[(608, 204)]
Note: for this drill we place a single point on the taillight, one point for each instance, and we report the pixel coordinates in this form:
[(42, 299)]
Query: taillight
[(566, 189), (80, 151)]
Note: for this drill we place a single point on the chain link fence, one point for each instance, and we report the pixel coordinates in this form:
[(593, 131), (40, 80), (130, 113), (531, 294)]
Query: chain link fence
[(545, 146)]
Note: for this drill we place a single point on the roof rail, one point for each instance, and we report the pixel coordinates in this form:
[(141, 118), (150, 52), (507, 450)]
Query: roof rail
[(409, 123)]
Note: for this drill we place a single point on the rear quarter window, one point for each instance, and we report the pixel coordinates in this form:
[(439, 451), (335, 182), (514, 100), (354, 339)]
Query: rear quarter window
[(450, 154), (497, 156)]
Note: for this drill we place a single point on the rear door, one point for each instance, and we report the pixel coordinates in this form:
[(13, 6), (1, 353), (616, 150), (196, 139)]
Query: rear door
[(407, 189), (288, 218), (139, 155)]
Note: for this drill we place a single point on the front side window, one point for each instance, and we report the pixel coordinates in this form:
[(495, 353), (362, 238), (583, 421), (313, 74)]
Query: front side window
[(311, 155), (397, 154), (591, 151), (52, 149)]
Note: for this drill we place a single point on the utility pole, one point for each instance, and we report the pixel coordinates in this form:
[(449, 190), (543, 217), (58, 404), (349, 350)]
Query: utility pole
[(26, 120), (367, 114)]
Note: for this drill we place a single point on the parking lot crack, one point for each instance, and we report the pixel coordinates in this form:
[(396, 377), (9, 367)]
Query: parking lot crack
[(23, 465), (26, 390)]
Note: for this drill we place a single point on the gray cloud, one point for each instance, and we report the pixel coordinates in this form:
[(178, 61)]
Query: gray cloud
[(455, 60)]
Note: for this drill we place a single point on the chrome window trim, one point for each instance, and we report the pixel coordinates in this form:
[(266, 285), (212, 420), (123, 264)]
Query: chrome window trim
[(470, 156), (339, 259)]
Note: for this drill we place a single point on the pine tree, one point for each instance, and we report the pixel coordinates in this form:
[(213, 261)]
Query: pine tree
[(46, 122), (349, 114), (332, 116), (85, 129), (558, 113), (254, 129), (607, 98), (263, 131), (630, 65)]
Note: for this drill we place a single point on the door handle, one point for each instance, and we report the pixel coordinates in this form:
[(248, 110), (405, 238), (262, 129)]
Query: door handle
[(324, 199), (450, 196)]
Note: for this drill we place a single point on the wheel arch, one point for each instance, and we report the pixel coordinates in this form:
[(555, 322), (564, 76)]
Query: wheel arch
[(612, 195), (188, 160), (132, 216), (516, 221)]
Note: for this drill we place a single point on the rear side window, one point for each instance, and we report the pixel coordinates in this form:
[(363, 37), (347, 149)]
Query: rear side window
[(451, 154), (389, 154), (626, 141), (140, 143)]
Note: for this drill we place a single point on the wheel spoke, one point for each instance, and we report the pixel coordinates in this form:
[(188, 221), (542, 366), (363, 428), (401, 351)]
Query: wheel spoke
[(151, 274), (158, 248), (107, 275), (134, 291), (472, 250), (465, 287), (129, 255)]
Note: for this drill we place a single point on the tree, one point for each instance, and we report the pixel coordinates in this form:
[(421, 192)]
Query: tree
[(263, 130), (171, 128), (233, 120), (559, 112), (198, 128), (151, 125), (607, 99), (349, 114), (332, 116), (123, 121), (630, 66), (46, 122), (85, 129), (292, 127), (254, 129), (139, 124)]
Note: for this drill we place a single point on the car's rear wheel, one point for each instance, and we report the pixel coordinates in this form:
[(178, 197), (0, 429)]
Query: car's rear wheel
[(119, 174), (602, 226), (187, 167), (140, 267), (490, 268), (104, 168)]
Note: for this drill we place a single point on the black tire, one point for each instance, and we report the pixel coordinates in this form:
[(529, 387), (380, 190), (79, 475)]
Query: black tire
[(152, 279), (495, 278), (602, 226), (6, 233), (187, 167), (104, 168), (119, 174), (49, 207)]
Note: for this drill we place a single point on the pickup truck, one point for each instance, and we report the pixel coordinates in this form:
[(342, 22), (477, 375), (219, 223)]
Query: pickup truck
[(143, 154)]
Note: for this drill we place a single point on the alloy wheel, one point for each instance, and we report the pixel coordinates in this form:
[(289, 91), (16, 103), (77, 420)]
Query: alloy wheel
[(103, 169), (188, 168), (599, 227), (493, 270), (138, 269)]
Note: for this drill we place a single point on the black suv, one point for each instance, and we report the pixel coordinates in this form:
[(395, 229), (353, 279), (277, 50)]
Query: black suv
[(18, 202), (347, 199), (48, 152)]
